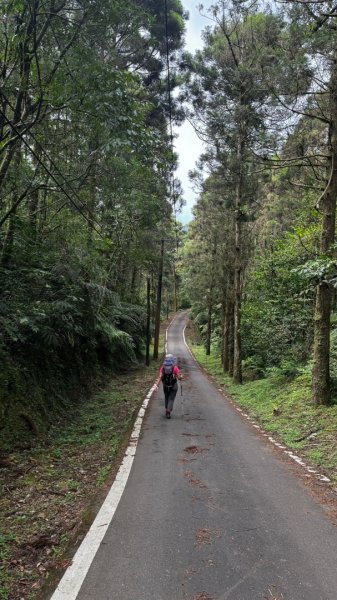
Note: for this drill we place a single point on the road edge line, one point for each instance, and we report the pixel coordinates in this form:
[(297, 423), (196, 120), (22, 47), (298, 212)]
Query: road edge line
[(72, 580), (284, 449)]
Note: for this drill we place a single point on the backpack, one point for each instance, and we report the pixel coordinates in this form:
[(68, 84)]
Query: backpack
[(168, 377)]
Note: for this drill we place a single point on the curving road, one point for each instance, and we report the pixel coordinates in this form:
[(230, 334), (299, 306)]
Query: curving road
[(210, 511)]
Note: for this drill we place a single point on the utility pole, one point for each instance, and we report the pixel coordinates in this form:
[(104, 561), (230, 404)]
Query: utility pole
[(175, 288), (158, 306), (148, 322)]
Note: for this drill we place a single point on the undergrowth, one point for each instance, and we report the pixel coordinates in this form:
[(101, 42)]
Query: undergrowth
[(283, 407), (52, 490)]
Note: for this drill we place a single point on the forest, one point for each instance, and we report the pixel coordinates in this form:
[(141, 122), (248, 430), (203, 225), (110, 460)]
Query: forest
[(94, 260), (86, 168), (91, 244), (261, 248), (92, 250)]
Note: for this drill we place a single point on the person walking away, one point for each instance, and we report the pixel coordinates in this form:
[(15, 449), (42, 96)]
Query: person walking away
[(169, 374)]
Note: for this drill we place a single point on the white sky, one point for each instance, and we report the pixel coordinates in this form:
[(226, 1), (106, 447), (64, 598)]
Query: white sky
[(187, 144)]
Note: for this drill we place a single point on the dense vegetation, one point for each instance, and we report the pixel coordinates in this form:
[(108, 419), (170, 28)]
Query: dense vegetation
[(88, 237), (87, 196), (262, 243), (85, 175)]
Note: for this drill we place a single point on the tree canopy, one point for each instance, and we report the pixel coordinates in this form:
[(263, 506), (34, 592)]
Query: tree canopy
[(85, 178), (264, 100)]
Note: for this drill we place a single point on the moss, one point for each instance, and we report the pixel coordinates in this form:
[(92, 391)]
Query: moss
[(36, 394)]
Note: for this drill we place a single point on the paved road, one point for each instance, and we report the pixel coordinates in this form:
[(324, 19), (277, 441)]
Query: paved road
[(211, 512)]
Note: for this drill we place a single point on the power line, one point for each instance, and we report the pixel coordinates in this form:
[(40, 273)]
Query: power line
[(172, 181), (91, 222), (168, 78)]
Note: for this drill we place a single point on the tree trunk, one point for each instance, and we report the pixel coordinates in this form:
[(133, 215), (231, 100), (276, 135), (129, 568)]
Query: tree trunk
[(327, 205), (43, 209), (225, 331), (237, 361), (7, 248), (153, 297), (223, 319), (34, 203), (133, 284), (226, 335), (321, 371), (6, 162), (209, 327), (15, 123), (148, 320), (158, 305), (175, 295), (211, 300), (33, 210), (231, 340), (91, 210)]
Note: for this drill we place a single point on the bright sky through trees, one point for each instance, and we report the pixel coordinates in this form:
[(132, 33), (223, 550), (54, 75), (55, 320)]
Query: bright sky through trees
[(187, 144)]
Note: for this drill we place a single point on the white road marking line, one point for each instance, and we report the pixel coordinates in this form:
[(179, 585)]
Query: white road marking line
[(295, 457), (71, 582), (323, 478), (284, 448)]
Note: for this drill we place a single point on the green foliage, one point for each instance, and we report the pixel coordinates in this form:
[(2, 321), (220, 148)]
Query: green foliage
[(5, 541), (282, 407), (81, 449), (269, 194), (103, 474), (254, 367), (320, 270), (84, 197), (277, 311)]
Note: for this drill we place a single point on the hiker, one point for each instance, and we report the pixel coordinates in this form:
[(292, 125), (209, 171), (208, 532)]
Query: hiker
[(169, 374)]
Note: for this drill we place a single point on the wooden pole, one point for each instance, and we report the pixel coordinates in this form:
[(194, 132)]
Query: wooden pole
[(175, 288), (148, 322), (158, 306)]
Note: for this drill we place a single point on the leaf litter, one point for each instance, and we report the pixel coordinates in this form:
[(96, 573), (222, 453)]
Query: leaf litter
[(50, 494)]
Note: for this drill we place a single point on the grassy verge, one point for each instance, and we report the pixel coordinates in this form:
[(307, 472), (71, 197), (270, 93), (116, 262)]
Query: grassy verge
[(283, 408), (51, 493)]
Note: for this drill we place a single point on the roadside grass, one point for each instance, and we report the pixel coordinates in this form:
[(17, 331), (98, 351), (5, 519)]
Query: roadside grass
[(283, 407), (51, 493)]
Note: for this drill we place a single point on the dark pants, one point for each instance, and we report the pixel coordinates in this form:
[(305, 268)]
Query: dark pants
[(170, 394)]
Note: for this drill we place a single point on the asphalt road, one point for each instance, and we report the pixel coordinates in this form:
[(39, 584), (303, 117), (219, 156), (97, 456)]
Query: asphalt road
[(210, 511)]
